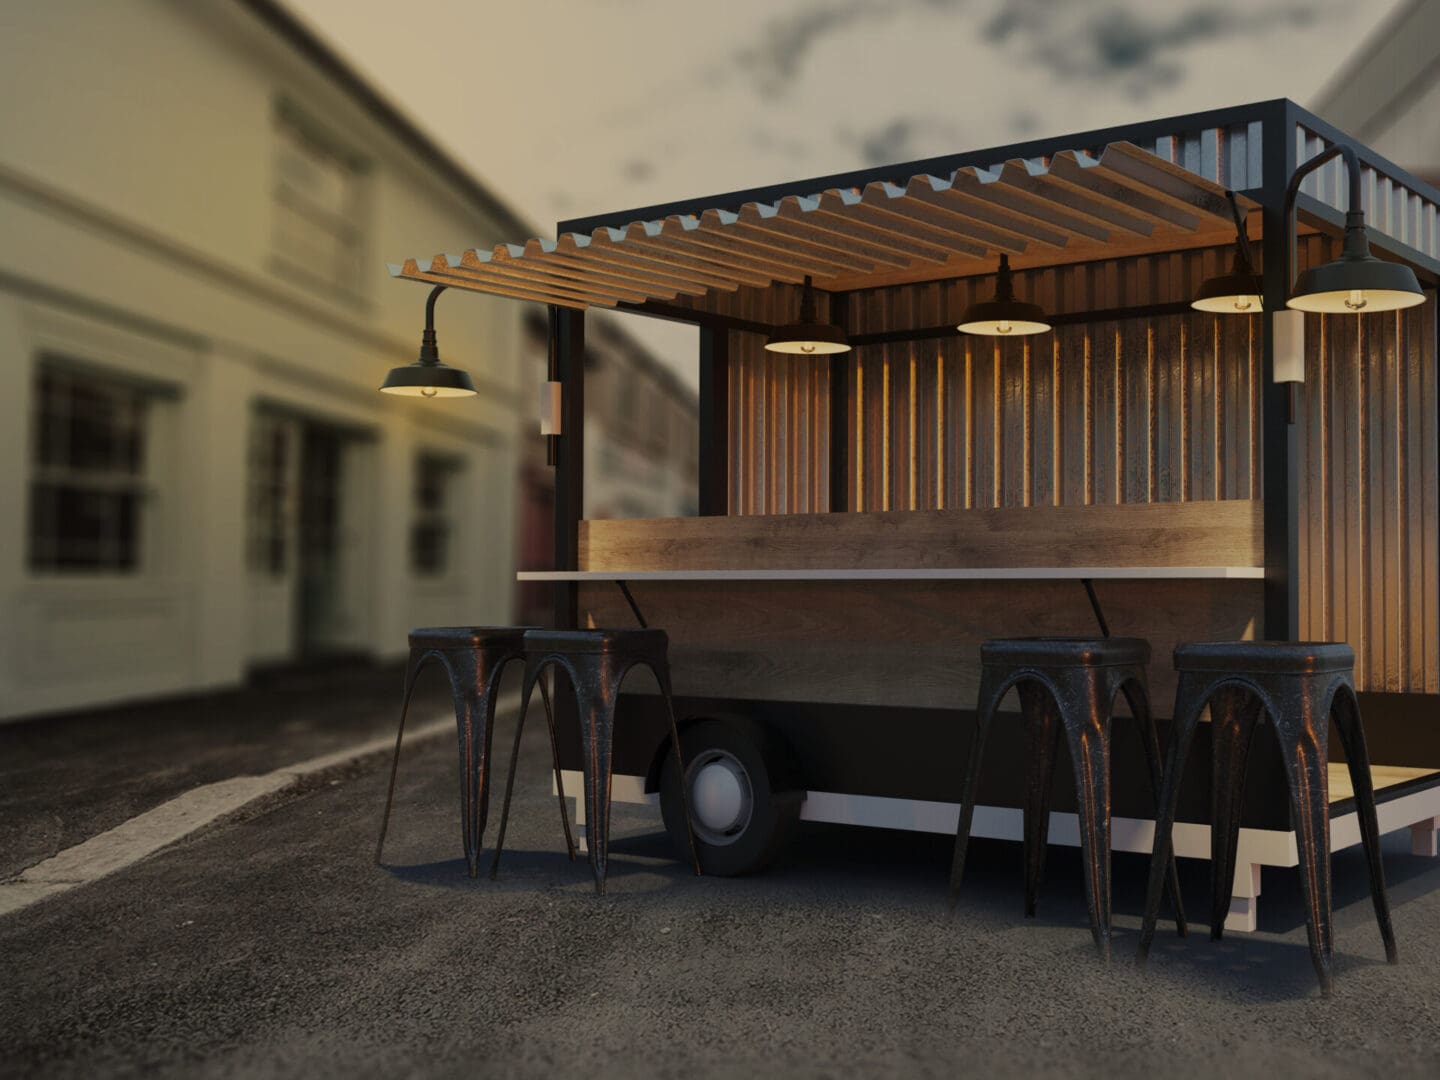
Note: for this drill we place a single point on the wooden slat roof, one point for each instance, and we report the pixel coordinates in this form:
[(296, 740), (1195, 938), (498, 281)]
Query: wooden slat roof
[(1122, 197)]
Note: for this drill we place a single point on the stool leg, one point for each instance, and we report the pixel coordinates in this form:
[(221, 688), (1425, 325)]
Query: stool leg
[(1188, 704), (469, 712), (412, 669), (596, 678), (662, 676), (1138, 699), (532, 675), (1234, 712), (1304, 730), (1352, 737), (1086, 718), (991, 691), (1042, 739), (555, 764)]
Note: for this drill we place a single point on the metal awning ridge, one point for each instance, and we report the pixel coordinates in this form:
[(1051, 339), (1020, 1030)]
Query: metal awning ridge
[(1120, 194)]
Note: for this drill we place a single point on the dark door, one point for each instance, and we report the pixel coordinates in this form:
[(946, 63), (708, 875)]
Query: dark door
[(319, 580)]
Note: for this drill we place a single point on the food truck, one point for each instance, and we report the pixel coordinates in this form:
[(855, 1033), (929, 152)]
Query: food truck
[(880, 492)]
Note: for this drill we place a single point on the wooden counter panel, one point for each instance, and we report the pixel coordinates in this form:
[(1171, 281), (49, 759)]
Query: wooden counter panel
[(901, 643), (1222, 533)]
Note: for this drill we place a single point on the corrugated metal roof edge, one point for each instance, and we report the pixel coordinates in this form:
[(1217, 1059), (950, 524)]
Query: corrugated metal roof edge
[(987, 158)]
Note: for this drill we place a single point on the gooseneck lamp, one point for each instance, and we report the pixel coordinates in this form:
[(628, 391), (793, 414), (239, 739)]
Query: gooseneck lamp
[(1004, 316), (1356, 282), (427, 377), (809, 336), (1238, 292)]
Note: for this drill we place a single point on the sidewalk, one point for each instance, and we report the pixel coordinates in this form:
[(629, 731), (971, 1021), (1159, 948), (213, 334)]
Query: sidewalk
[(64, 779)]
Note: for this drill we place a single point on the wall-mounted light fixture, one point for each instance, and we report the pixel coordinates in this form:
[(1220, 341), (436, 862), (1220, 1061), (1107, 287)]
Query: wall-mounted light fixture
[(1238, 292), (1003, 316), (809, 336), (1288, 344), (427, 377), (1357, 281)]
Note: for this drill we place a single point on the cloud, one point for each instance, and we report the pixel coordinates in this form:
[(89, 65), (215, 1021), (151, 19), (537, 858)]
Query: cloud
[(774, 61), (1137, 48), (904, 138)]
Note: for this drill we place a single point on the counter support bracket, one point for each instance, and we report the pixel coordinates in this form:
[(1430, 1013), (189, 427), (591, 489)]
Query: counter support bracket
[(629, 599), (1095, 606)]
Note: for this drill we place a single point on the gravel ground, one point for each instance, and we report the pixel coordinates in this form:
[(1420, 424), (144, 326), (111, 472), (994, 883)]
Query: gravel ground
[(273, 946)]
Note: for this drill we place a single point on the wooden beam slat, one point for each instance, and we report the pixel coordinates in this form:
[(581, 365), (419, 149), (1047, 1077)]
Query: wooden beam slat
[(1017, 176), (822, 247), (892, 208), (412, 272)]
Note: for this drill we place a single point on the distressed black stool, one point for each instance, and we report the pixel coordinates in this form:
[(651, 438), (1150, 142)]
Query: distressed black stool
[(1301, 687), (474, 657), (596, 662), (1067, 684)]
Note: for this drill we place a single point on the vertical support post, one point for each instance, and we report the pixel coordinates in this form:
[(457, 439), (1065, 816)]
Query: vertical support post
[(839, 411), (569, 351), (714, 478), (1279, 438)]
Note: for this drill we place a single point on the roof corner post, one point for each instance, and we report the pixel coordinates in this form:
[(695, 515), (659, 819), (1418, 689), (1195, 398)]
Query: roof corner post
[(839, 315), (568, 348), (714, 434), (1282, 452)]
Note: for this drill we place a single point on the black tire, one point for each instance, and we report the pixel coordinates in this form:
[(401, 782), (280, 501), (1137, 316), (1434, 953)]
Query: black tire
[(751, 843)]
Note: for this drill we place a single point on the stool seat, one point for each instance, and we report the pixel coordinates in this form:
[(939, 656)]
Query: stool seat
[(596, 663), (1265, 657), (1066, 687), (468, 637), (1298, 688), (598, 640), (1065, 651), (473, 659)]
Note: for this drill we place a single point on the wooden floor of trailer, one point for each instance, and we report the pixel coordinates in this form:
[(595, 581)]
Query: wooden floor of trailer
[(1406, 798)]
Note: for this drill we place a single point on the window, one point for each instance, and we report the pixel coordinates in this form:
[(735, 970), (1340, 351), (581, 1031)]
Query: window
[(433, 530), (88, 490), (271, 482), (319, 206)]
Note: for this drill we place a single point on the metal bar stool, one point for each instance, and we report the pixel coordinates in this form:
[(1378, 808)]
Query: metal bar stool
[(474, 657), (1301, 687), (1067, 684), (596, 662)]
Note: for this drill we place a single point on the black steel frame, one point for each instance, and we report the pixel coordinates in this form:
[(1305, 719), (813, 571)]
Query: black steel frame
[(1278, 118)]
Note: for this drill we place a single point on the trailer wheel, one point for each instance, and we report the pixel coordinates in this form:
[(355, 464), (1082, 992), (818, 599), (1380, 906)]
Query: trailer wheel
[(740, 818)]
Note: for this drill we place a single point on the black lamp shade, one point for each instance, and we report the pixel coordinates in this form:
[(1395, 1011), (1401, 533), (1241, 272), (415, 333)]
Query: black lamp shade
[(428, 380), (1356, 285), (808, 339), (1236, 293), (1004, 316), (1356, 282), (809, 336)]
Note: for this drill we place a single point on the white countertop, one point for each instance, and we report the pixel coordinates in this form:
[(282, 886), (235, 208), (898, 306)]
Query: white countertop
[(991, 573)]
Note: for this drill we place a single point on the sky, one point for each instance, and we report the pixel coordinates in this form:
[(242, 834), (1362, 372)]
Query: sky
[(566, 108)]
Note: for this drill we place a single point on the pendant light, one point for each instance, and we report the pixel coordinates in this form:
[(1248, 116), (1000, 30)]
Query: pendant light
[(427, 377), (1004, 316), (809, 336), (1357, 281), (1239, 291)]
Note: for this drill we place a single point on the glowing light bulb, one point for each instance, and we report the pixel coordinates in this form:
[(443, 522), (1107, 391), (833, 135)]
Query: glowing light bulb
[(1356, 300), (1003, 327), (1242, 303), (428, 391), (807, 347)]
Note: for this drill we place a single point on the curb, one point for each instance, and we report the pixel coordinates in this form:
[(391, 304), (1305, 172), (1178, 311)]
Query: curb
[(142, 836)]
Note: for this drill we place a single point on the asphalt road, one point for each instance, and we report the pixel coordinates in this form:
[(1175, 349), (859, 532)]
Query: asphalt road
[(273, 946), (64, 779)]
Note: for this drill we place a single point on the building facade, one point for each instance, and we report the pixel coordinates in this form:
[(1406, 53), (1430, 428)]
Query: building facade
[(198, 477), (1388, 94)]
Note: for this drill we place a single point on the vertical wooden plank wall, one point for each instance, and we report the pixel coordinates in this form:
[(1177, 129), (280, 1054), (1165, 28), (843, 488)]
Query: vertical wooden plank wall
[(1369, 542), (1154, 408)]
